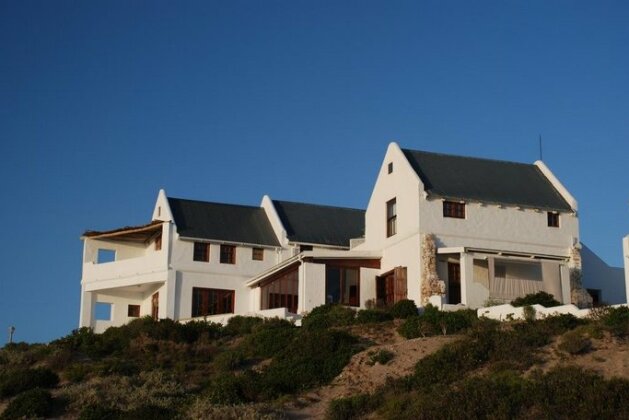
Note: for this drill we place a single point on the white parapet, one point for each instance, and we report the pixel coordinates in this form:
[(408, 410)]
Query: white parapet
[(507, 312)]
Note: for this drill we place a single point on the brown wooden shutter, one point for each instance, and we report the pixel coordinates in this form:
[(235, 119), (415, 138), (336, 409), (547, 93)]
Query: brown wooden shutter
[(399, 276)]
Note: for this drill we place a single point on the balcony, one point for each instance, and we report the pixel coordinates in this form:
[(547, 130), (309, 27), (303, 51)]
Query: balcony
[(124, 257)]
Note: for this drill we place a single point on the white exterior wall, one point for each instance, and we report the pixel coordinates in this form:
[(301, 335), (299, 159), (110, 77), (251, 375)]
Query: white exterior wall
[(367, 285), (312, 276), (508, 228), (597, 274), (625, 248), (401, 249)]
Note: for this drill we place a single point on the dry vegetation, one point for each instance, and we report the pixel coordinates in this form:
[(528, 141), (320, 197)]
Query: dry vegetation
[(374, 364)]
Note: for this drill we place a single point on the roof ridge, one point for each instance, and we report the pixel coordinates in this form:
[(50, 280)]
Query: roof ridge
[(215, 202), (469, 157), (318, 205)]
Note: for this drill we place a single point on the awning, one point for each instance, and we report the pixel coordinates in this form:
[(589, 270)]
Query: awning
[(136, 234)]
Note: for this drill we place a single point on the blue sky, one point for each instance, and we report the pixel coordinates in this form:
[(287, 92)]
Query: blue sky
[(103, 103)]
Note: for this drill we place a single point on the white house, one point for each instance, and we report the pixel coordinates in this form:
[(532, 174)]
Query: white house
[(465, 230), (625, 248)]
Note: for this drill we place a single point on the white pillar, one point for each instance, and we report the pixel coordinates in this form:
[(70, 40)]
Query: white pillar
[(467, 277), (301, 288), (167, 302), (625, 247), (87, 308)]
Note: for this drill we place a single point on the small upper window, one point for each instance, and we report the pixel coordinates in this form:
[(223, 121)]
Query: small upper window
[(257, 254), (228, 254), (201, 252), (105, 256), (133, 311), (553, 219), (454, 209), (391, 217), (390, 167)]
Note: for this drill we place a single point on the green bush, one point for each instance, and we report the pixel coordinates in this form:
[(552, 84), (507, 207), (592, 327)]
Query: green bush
[(269, 338), (574, 342), (314, 358), (434, 321), (372, 316), (330, 315), (226, 390), (15, 381), (241, 325), (77, 372), (403, 309), (616, 320), (228, 360), (99, 412), (539, 298), (381, 356), (35, 402), (353, 407)]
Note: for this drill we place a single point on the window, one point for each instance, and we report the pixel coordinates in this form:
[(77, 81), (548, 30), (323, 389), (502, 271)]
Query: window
[(390, 167), (281, 292), (133, 311), (553, 219), (228, 254), (342, 285), (105, 256), (454, 209), (257, 254), (391, 218), (158, 243), (201, 252), (103, 311), (212, 301)]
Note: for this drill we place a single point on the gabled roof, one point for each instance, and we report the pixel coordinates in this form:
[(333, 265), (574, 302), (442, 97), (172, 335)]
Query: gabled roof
[(317, 224), (222, 222), (485, 180)]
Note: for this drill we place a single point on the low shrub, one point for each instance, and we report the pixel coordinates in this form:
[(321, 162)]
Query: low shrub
[(15, 381), (269, 338), (77, 372), (226, 390), (314, 358), (381, 356), (434, 321), (616, 320), (353, 407), (34, 403), (330, 315), (539, 298), (241, 325), (529, 313), (403, 309), (228, 360), (372, 316), (99, 412), (575, 342)]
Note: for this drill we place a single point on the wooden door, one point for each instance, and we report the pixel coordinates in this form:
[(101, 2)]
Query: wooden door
[(391, 287), (454, 283), (155, 306)]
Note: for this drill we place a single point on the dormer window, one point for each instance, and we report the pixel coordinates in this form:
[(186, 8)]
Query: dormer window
[(390, 167), (553, 219), (454, 209), (391, 217)]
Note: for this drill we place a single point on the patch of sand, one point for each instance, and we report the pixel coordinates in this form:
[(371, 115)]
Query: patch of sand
[(359, 377)]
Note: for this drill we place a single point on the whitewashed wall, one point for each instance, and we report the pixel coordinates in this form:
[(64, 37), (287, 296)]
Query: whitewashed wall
[(625, 248), (597, 274)]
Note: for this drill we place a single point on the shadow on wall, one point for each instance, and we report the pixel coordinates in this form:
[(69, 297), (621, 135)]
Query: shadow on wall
[(598, 275)]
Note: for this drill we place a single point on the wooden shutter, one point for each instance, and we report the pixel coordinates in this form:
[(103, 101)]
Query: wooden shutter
[(399, 276)]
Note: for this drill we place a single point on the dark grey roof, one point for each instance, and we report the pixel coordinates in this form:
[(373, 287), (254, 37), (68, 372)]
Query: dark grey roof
[(316, 224), (485, 180), (222, 222)]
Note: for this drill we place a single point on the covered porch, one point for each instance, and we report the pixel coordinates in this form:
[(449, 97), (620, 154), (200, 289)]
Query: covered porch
[(475, 277), (314, 278)]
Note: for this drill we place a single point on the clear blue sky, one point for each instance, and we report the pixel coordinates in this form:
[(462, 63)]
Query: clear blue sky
[(103, 103)]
